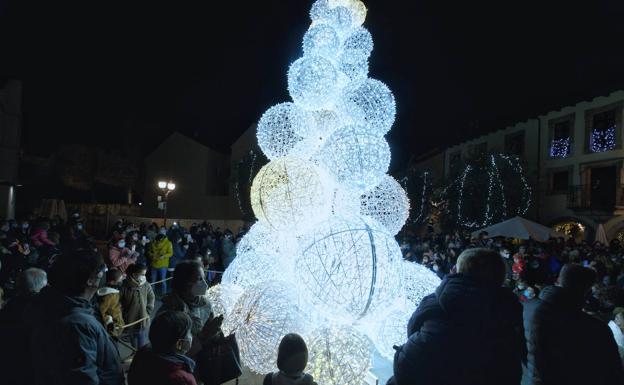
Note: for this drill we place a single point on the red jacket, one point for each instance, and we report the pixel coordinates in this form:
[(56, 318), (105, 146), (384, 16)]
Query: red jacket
[(149, 368), (40, 237)]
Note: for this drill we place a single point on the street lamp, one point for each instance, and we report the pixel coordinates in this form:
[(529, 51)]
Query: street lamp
[(167, 188)]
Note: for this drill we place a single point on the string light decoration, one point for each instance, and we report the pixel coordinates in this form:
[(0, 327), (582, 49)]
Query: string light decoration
[(357, 157), (338, 355), (338, 269), (387, 203), (371, 104), (264, 313), (508, 192), (290, 194), (560, 148), (223, 297), (350, 266), (418, 282), (390, 330), (602, 140)]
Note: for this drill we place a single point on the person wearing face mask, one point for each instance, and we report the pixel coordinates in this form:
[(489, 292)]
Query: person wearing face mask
[(165, 362), (137, 302), (188, 295), (120, 257), (69, 345), (108, 302)]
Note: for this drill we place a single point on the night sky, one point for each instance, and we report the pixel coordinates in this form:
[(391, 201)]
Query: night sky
[(113, 74)]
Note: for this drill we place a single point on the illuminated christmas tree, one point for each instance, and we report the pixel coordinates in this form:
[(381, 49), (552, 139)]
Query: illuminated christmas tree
[(322, 260)]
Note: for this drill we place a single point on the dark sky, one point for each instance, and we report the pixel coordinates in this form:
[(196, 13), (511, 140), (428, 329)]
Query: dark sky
[(113, 73)]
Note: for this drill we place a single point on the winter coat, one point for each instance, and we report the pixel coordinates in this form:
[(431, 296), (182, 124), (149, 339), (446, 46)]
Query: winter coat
[(110, 308), (121, 258), (199, 310), (158, 249), (280, 378), (467, 333), (568, 346), (619, 339), (15, 333), (137, 302), (69, 345), (39, 237), (149, 368)]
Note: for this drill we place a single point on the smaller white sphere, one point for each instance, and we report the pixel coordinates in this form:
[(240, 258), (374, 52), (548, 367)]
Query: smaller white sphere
[(313, 82), (321, 40), (370, 103), (357, 157), (341, 19), (280, 129), (262, 316), (357, 8), (319, 10), (390, 329), (325, 123), (418, 282), (359, 40), (223, 297), (338, 355), (354, 65), (387, 203)]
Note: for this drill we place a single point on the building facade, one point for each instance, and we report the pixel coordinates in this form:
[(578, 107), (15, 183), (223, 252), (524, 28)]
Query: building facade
[(573, 159)]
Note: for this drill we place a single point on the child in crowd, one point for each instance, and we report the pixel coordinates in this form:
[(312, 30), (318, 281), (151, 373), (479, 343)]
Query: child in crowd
[(165, 362), (137, 302), (292, 359), (108, 300)]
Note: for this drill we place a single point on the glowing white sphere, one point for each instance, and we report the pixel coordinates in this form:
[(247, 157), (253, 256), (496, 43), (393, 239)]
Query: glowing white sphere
[(223, 297), (418, 282), (338, 356), (356, 7), (341, 19), (321, 40), (261, 317), (354, 65), (290, 194), (356, 156), (344, 202), (390, 329), (319, 10), (312, 82), (360, 41), (370, 103), (349, 268), (387, 203), (281, 129), (325, 123)]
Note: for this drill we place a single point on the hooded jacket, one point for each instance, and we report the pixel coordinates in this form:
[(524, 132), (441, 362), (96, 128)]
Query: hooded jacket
[(467, 333), (150, 368), (568, 346), (108, 303), (137, 302), (69, 345), (159, 249)]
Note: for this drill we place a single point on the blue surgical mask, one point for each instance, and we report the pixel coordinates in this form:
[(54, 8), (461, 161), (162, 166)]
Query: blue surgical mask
[(79, 226), (122, 244), (528, 294)]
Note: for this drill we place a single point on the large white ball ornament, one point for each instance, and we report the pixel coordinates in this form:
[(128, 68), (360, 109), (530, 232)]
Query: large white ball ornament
[(313, 82), (371, 103), (356, 156), (321, 40), (338, 355), (349, 268), (290, 194), (262, 316), (319, 10), (281, 129), (387, 203), (390, 329), (356, 7), (325, 123), (359, 41), (354, 65), (223, 297), (418, 282)]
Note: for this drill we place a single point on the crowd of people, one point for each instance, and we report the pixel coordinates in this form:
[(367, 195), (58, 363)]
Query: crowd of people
[(68, 302)]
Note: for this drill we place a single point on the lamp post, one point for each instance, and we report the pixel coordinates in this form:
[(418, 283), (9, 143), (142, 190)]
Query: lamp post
[(166, 188)]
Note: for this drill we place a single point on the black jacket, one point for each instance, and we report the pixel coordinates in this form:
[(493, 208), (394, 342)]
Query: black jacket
[(69, 345), (467, 333), (568, 346), (15, 364)]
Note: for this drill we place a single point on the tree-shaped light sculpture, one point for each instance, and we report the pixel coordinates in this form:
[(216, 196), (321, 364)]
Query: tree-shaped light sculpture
[(327, 214)]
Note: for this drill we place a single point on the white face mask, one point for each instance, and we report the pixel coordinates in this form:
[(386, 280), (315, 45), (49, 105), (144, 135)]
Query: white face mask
[(199, 288), (141, 279)]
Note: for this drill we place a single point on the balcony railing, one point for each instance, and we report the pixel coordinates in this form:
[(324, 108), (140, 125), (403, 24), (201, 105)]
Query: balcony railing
[(586, 197)]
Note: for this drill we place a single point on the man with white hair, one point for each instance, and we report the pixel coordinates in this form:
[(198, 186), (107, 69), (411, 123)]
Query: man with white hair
[(15, 364)]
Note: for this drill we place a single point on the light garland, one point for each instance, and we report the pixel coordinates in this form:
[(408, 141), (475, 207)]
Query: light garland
[(602, 140), (371, 104), (496, 188), (223, 297), (560, 148)]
